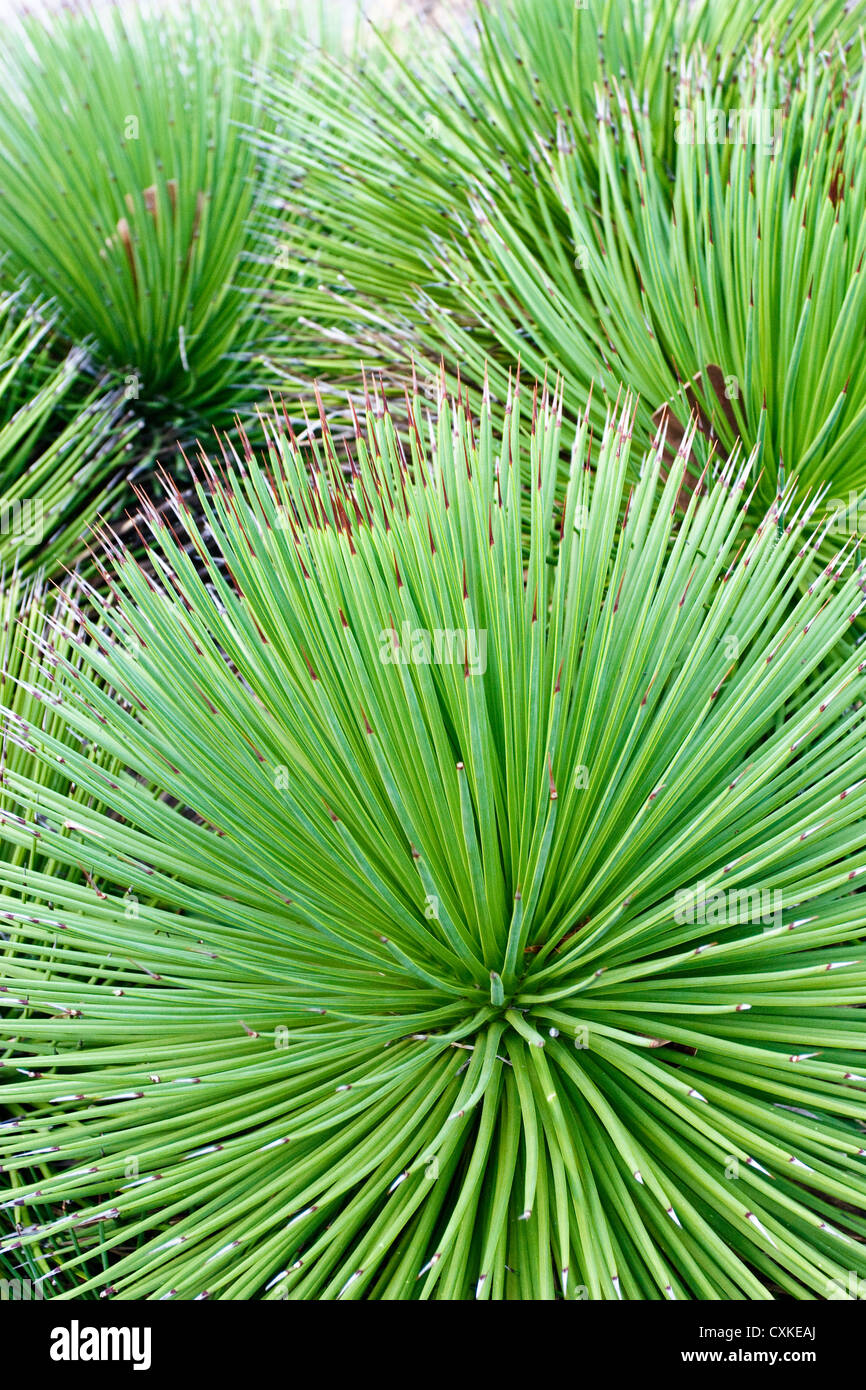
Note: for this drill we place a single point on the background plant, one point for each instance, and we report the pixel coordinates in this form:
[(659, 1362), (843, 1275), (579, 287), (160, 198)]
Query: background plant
[(405, 1007), (67, 437), (749, 257), (129, 192), (482, 261), (130, 205)]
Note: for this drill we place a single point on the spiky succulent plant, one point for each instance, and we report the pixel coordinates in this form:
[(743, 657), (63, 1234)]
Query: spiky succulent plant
[(741, 277), (27, 615), (66, 439), (470, 906), (131, 195), (452, 235), (131, 204), (128, 191)]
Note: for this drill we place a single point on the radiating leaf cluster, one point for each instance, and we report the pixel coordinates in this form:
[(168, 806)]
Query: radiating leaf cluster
[(749, 256), (454, 235), (128, 190), (366, 973)]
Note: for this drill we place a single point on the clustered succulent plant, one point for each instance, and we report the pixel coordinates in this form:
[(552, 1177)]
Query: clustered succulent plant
[(132, 226), (432, 824), (667, 214), (413, 1003)]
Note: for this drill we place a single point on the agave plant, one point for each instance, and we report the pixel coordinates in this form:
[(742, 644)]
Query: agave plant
[(746, 298), (66, 438), (546, 62), (137, 220), (131, 201), (482, 261), (470, 904), (132, 196)]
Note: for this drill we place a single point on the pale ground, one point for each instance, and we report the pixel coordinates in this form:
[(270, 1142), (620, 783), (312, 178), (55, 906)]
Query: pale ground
[(377, 10), (390, 15)]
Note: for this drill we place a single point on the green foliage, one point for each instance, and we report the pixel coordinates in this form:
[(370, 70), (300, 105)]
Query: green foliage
[(129, 192), (748, 257), (452, 237), (131, 203), (66, 438), (31, 642), (398, 969), (429, 862)]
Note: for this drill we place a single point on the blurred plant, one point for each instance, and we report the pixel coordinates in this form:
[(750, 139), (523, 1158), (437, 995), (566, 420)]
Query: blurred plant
[(431, 218), (131, 202), (66, 440), (375, 979), (129, 193)]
